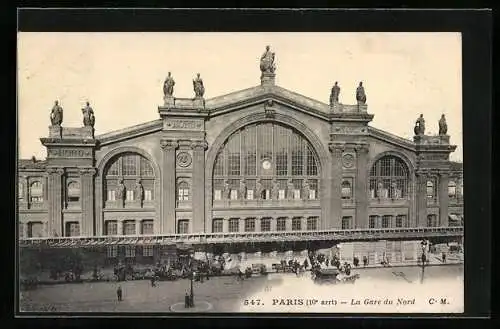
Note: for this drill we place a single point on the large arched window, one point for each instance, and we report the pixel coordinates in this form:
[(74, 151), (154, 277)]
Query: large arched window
[(133, 170), (389, 178), (36, 192), (266, 161)]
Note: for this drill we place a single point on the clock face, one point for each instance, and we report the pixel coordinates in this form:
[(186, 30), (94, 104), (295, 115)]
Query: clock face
[(266, 164)]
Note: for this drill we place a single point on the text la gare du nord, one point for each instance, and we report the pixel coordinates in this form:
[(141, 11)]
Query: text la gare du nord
[(353, 302)]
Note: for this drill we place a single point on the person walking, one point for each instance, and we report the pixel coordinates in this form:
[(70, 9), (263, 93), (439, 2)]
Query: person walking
[(443, 256), (119, 293)]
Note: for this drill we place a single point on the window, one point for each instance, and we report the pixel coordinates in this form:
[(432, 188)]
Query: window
[(218, 225), (35, 230), (296, 224), (20, 191), (183, 191), (147, 251), (234, 225), (372, 222), (386, 221), (389, 178), (431, 221), (129, 165), (130, 251), (401, 221), (452, 189), (72, 229), (265, 224), (234, 195), (112, 251), (73, 192), (183, 226), (250, 225), (148, 196), (431, 190), (217, 195), (281, 194), (346, 190), (111, 227), (130, 195), (111, 196), (461, 188), (296, 194), (129, 227), (346, 222), (281, 224), (250, 194), (147, 227), (312, 223), (36, 192), (21, 230), (146, 168)]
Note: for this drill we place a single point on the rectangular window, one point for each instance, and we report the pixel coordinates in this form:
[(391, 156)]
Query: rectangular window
[(234, 225), (400, 221), (129, 251), (281, 194), (296, 194), (147, 251), (111, 228), (147, 227), (250, 225), (386, 221), (112, 251), (146, 168), (312, 223), (113, 170), (148, 196), (111, 196), (183, 194), (20, 191), (281, 224), (372, 222), (250, 194), (297, 155), (129, 165), (72, 229), (265, 224), (130, 195), (312, 194), (183, 226), (296, 224), (432, 220), (35, 230), (218, 225), (234, 195), (346, 222), (129, 227), (217, 194)]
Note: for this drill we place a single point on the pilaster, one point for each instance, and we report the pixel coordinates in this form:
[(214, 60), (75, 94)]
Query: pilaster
[(361, 193), (24, 181), (167, 218), (199, 147), (288, 224), (225, 225), (87, 227), (55, 225), (334, 220), (421, 211), (443, 198), (119, 227)]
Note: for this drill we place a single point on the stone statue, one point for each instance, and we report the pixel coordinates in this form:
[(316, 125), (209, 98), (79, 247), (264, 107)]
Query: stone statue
[(168, 86), (139, 190), (443, 127), (305, 190), (199, 89), (290, 188), (334, 95), (275, 190), (243, 189), (420, 125), (56, 115), (258, 189), (267, 61), (227, 190), (360, 94), (121, 191), (88, 116)]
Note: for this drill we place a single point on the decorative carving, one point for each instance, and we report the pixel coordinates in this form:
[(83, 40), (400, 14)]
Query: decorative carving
[(168, 144), (184, 124), (121, 191), (168, 86), (305, 190), (139, 190), (88, 116), (268, 108), (289, 189), (275, 190), (56, 115), (267, 61), (258, 189), (420, 125), (334, 95), (242, 189), (69, 153), (183, 159), (443, 127), (198, 87), (199, 145), (227, 190), (336, 147), (55, 170), (348, 160), (360, 94), (361, 148), (87, 171)]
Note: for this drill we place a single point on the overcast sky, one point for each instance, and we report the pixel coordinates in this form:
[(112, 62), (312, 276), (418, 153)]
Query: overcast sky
[(121, 74)]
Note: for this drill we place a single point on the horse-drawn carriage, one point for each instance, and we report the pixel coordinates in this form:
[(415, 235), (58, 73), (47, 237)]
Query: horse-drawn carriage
[(332, 276)]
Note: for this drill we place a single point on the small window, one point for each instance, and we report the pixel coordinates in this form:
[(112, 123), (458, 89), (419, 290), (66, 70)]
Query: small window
[(386, 221), (296, 194), (296, 224), (372, 222), (452, 189), (130, 195), (431, 221), (73, 192), (130, 251), (312, 223), (346, 190), (218, 225), (234, 225), (148, 196), (147, 251), (250, 194), (430, 190), (312, 194), (265, 224), (183, 226), (129, 227), (234, 195), (36, 192), (346, 222), (35, 230), (281, 194), (281, 224), (111, 195), (111, 228), (147, 227), (183, 191), (250, 225), (217, 195), (400, 221), (112, 251), (72, 229)]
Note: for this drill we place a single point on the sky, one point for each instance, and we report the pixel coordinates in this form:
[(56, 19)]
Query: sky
[(121, 75)]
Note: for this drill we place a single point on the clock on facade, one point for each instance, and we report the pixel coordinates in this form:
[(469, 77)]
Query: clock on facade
[(266, 164)]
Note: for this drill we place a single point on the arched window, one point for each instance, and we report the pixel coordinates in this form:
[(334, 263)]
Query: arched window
[(431, 190), (36, 192), (131, 168), (183, 191), (452, 189), (266, 161), (73, 192), (346, 190), (389, 178)]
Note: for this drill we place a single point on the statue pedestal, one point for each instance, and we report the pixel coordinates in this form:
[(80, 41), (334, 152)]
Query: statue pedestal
[(55, 131), (336, 107), (87, 132), (168, 101), (199, 103), (267, 79)]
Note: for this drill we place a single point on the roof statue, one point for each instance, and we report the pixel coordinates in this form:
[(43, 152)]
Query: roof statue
[(334, 95), (267, 61), (443, 126), (88, 116), (420, 125), (360, 94), (56, 115), (168, 86), (199, 89)]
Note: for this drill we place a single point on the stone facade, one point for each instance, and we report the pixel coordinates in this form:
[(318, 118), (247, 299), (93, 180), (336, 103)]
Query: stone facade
[(74, 189)]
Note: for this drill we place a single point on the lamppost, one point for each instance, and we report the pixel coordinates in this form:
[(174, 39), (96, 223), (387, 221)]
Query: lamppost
[(192, 277), (423, 258)]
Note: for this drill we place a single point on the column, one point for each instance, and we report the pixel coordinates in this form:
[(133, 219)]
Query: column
[(54, 201), (421, 204), (167, 217), (288, 224), (87, 197), (443, 199), (24, 181), (361, 193), (334, 220), (138, 227), (225, 225), (198, 188)]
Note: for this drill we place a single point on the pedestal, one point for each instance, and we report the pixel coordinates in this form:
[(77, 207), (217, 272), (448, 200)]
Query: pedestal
[(168, 101), (55, 131), (267, 79)]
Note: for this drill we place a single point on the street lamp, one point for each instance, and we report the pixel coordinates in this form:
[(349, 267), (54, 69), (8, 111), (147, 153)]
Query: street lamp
[(424, 258), (192, 276)]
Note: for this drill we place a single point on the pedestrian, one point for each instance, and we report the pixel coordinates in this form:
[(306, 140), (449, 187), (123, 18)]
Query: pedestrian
[(365, 261), (119, 293), (153, 283), (444, 257), (355, 261)]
